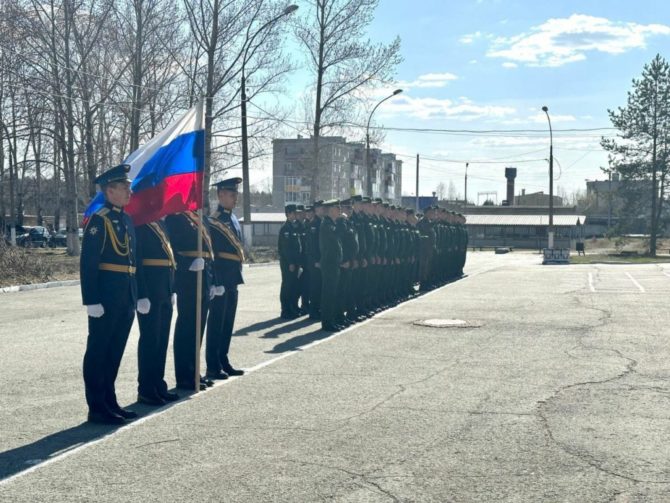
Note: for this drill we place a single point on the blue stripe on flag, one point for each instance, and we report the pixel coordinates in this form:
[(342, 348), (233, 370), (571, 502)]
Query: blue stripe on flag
[(184, 154)]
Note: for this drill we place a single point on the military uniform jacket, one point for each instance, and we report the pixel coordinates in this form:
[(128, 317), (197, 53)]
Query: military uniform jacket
[(108, 259), (359, 224), (183, 233), (347, 236), (156, 262), (329, 244), (288, 244), (228, 250), (312, 251)]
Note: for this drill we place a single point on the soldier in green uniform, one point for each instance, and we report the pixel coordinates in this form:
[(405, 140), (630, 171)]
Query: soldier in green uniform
[(359, 221), (331, 260), (313, 256), (347, 235), (427, 249), (290, 256)]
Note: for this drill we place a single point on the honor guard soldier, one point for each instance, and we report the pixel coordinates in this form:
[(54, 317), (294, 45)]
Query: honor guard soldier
[(290, 252), (155, 283), (228, 259), (331, 261), (109, 292), (183, 232)]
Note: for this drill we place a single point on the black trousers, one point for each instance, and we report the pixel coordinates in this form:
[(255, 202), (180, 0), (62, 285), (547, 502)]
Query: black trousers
[(222, 312), (107, 337), (290, 290), (314, 290), (152, 347), (330, 278), (185, 330), (343, 287), (305, 298)]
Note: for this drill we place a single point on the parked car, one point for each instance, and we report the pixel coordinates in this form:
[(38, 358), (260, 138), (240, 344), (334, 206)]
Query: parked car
[(38, 237), (59, 239)]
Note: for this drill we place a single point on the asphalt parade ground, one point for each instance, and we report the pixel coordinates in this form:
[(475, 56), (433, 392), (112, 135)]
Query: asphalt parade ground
[(556, 388)]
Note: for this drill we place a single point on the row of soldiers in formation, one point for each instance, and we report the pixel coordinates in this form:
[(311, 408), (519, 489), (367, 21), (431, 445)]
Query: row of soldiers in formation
[(347, 260), (151, 268)]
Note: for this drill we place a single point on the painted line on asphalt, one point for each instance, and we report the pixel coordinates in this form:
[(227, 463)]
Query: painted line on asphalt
[(591, 286), (36, 465), (638, 285)]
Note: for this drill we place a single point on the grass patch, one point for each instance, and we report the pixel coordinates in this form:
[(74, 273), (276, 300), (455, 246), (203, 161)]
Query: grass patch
[(24, 266)]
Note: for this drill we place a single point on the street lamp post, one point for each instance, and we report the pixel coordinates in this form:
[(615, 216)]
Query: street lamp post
[(368, 166), (246, 207), (550, 232)]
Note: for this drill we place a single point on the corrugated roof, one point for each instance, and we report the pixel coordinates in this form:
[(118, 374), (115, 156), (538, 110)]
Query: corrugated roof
[(521, 220)]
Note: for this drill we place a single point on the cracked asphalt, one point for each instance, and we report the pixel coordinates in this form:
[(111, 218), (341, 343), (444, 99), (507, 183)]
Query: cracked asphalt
[(558, 391)]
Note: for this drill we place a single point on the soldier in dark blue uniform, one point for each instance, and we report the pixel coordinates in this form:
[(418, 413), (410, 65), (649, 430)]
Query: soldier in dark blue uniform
[(183, 232), (109, 292), (290, 251), (228, 259), (155, 282)]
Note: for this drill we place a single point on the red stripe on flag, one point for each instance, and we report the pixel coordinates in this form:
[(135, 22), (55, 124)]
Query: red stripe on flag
[(174, 194)]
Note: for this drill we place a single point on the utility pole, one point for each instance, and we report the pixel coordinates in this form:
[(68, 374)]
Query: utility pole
[(466, 183), (417, 184)]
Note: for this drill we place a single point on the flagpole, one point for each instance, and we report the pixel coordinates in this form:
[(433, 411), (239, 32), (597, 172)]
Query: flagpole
[(198, 295)]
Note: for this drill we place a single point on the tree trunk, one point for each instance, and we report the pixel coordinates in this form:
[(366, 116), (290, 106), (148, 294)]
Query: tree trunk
[(209, 103)]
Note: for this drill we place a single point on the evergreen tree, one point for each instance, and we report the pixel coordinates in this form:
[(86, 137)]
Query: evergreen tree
[(642, 149)]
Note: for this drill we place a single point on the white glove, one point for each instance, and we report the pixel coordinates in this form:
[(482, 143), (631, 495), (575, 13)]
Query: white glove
[(220, 290), (173, 299), (95, 310), (197, 265), (212, 292), (143, 306)]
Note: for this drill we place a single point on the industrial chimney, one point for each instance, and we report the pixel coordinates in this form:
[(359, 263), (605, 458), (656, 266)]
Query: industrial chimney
[(510, 174)]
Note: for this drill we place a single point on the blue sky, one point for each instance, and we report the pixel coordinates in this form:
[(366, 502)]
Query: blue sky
[(492, 65)]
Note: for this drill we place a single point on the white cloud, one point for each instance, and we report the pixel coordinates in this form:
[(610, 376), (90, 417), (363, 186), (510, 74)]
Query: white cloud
[(557, 42), (470, 37), (509, 64), (429, 80), (435, 108), (473, 61)]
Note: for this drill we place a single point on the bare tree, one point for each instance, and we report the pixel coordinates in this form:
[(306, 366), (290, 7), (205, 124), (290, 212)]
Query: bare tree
[(343, 63)]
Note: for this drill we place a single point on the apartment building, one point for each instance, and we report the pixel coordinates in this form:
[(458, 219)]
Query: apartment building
[(342, 171)]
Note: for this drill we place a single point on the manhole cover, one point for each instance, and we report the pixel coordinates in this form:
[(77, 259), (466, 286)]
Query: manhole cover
[(443, 323)]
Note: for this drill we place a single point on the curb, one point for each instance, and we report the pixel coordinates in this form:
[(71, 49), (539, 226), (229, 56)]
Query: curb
[(38, 286), (74, 282)]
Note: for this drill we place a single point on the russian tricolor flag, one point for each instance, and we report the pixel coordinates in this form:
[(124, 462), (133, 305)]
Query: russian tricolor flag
[(167, 172)]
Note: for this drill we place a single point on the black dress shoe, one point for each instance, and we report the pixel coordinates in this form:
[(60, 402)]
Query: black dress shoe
[(125, 413), (168, 396), (189, 386), (105, 417), (220, 375), (207, 382), (330, 328), (150, 399), (232, 371)]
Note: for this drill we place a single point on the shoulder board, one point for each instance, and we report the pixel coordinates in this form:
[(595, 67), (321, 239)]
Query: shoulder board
[(102, 211)]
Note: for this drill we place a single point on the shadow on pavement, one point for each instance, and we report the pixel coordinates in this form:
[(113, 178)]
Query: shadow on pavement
[(261, 325), (22, 458), (296, 325), (295, 343)]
